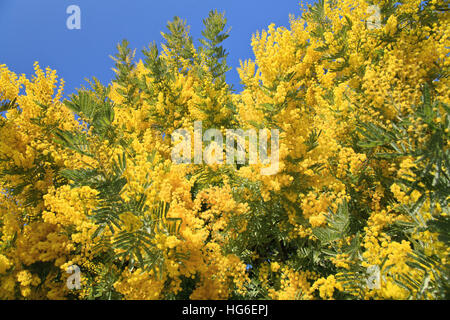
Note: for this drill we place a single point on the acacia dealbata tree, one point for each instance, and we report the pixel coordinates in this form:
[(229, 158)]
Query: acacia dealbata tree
[(357, 210)]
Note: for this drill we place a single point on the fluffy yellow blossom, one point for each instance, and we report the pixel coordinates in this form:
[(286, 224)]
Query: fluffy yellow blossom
[(4, 264)]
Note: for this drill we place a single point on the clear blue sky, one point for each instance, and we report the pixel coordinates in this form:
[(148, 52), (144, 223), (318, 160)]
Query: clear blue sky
[(35, 30)]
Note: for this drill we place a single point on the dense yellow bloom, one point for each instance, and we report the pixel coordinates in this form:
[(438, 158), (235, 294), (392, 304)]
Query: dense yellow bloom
[(102, 192), (4, 264), (326, 287)]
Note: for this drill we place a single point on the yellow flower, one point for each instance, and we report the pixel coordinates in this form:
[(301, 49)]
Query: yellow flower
[(5, 264), (274, 266)]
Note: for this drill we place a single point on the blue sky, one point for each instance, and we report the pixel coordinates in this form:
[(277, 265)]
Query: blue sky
[(36, 31)]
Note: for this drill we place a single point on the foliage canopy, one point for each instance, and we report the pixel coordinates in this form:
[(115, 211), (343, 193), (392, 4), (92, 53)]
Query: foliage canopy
[(363, 180)]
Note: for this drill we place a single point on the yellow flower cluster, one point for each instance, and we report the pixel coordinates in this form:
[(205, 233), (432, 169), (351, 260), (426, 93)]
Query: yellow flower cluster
[(326, 287), (293, 286), (5, 264)]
